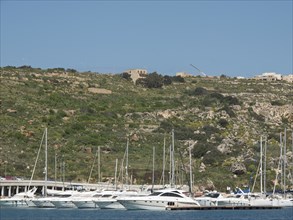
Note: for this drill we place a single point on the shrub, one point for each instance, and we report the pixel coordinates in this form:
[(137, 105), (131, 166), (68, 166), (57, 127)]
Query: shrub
[(213, 99), (167, 80), (229, 111), (277, 103), (210, 129), (199, 91), (126, 76), (255, 115), (178, 79), (230, 100), (223, 122), (153, 80)]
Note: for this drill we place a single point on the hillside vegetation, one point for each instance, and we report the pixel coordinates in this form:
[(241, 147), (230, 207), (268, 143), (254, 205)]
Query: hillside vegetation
[(221, 119)]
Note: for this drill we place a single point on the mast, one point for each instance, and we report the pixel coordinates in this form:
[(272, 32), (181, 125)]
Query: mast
[(265, 166), (153, 175), (116, 167), (99, 164), (261, 168), (55, 177), (292, 157), (172, 162), (170, 165), (46, 161), (41, 144), (88, 181), (285, 160), (190, 171), (279, 166), (281, 158), (126, 165), (163, 172)]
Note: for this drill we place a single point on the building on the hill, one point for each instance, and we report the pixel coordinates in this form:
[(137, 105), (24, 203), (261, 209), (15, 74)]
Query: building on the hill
[(288, 78), (135, 74), (269, 76), (183, 74)]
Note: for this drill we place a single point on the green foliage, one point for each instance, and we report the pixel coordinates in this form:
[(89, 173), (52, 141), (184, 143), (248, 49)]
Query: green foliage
[(167, 80), (230, 100), (255, 115), (58, 69), (199, 91), (278, 102), (223, 122), (178, 79), (126, 76), (153, 80), (229, 111), (208, 129), (71, 70)]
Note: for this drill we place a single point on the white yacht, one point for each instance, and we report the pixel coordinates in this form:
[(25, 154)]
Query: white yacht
[(218, 199), (233, 200), (159, 200), (209, 199), (19, 199), (273, 200), (64, 200), (85, 200), (47, 202), (108, 198)]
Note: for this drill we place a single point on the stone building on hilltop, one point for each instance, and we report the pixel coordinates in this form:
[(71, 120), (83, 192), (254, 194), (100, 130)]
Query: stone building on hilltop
[(135, 74)]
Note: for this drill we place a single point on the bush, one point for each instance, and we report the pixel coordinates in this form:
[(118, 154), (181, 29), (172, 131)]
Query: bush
[(199, 91), (210, 129), (167, 80), (213, 99), (223, 122), (255, 115), (153, 80), (178, 79), (71, 70), (277, 103), (230, 100), (229, 111), (126, 76)]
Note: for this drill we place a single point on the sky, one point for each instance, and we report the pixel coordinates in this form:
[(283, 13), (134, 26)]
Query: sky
[(234, 38)]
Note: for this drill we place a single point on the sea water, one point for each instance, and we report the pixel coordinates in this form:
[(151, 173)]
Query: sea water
[(92, 214)]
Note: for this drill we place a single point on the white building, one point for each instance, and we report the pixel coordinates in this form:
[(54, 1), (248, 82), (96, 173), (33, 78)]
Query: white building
[(183, 74), (271, 76), (135, 74), (288, 78)]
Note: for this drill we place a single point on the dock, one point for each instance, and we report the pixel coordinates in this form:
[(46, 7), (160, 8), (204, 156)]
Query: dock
[(174, 208)]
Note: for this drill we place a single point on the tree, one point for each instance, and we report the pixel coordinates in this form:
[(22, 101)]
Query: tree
[(152, 80), (178, 79), (167, 80), (126, 76)]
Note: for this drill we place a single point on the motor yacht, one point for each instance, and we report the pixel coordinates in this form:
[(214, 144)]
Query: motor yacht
[(159, 200)]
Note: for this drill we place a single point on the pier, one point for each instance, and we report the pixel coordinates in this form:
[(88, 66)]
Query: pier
[(173, 208), (9, 188)]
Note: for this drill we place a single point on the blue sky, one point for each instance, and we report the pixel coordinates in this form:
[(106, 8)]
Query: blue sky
[(235, 38)]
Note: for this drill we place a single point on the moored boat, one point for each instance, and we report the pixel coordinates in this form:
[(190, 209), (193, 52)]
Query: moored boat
[(159, 200)]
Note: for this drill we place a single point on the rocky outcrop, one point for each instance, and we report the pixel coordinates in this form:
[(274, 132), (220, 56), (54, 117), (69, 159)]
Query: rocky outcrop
[(238, 168)]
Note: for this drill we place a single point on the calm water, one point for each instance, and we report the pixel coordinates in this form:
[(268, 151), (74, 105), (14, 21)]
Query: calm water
[(66, 214)]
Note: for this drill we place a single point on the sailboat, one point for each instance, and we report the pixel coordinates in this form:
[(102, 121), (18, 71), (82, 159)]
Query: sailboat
[(261, 199)]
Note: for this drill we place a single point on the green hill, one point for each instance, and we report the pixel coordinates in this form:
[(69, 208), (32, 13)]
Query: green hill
[(221, 118)]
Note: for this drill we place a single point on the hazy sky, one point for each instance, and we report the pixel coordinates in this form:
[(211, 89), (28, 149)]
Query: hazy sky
[(235, 38)]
